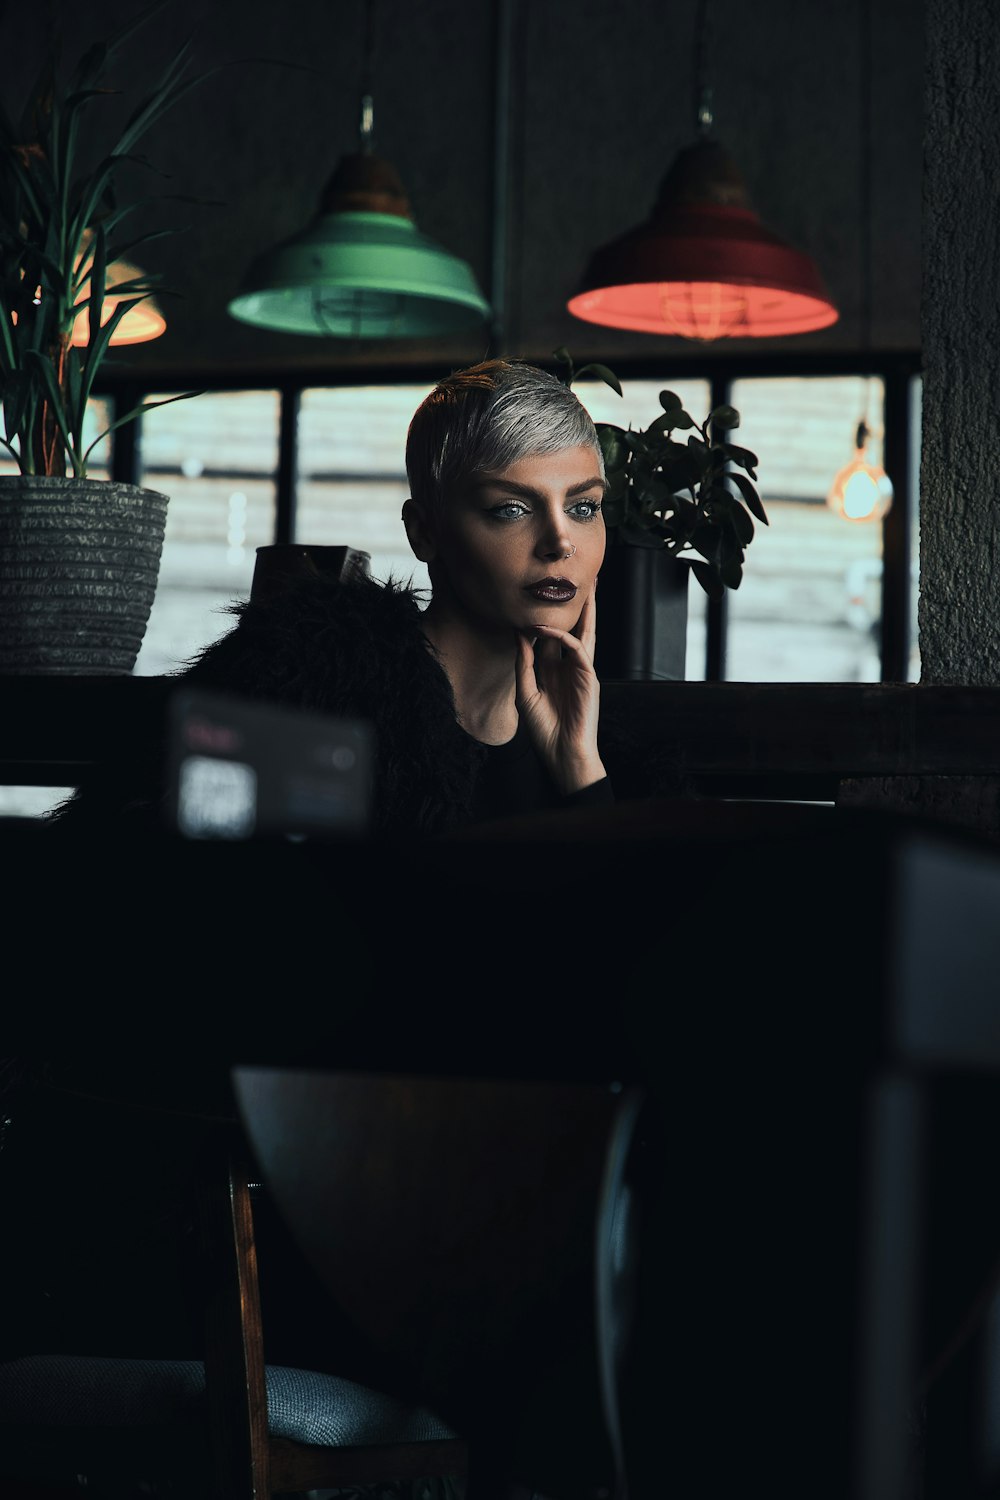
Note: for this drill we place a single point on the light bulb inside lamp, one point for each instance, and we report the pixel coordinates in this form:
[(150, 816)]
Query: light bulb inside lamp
[(703, 310)]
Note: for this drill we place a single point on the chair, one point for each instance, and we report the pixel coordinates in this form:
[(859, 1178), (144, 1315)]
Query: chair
[(284, 564), (478, 1234), (229, 1426)]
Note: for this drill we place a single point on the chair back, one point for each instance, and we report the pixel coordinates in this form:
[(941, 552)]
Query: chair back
[(474, 1233), (281, 566)]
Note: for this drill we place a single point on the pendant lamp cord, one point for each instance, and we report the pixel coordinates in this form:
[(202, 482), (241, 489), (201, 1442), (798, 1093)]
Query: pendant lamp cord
[(508, 33), (702, 83), (367, 123), (865, 194)]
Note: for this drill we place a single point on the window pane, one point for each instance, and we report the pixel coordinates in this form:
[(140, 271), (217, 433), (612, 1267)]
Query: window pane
[(97, 420), (639, 402), (352, 474), (31, 801), (100, 415), (809, 606), (216, 457)]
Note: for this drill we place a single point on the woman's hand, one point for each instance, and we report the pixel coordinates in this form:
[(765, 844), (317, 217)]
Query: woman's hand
[(558, 696)]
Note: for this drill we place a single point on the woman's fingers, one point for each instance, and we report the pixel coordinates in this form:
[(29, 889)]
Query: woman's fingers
[(554, 638), (535, 662), (560, 704), (547, 647), (525, 686), (559, 655), (586, 626)]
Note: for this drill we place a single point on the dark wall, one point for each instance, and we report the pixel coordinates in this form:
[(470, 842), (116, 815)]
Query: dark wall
[(601, 98), (960, 528)]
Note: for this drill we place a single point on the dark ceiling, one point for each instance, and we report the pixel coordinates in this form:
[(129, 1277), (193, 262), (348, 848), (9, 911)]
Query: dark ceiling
[(601, 97)]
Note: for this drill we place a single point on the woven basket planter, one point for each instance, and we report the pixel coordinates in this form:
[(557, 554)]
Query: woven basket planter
[(79, 560)]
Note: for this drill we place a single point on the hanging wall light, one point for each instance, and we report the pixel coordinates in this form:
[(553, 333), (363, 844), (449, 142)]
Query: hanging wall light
[(862, 490), (141, 323), (703, 266), (122, 281), (362, 269)]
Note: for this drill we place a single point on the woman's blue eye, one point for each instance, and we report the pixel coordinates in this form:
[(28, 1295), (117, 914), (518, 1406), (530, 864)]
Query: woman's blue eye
[(513, 510), (510, 511)]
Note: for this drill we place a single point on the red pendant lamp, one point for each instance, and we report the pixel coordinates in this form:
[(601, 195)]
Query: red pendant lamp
[(703, 266)]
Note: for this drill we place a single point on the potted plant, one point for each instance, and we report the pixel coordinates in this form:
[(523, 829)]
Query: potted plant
[(79, 556), (674, 507)]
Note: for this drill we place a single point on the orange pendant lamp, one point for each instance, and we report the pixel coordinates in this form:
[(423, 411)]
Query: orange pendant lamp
[(703, 266), (124, 283)]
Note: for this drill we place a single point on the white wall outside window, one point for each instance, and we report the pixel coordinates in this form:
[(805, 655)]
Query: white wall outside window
[(215, 457)]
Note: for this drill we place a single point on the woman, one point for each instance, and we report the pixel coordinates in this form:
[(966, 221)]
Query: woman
[(485, 703), (507, 484)]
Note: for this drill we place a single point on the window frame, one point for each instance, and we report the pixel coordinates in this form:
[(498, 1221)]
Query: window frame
[(898, 372)]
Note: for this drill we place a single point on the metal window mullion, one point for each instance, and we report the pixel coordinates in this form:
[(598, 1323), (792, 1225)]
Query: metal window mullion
[(288, 466), (896, 624), (717, 611)]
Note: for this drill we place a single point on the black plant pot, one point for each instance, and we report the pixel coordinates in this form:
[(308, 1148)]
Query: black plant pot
[(642, 605)]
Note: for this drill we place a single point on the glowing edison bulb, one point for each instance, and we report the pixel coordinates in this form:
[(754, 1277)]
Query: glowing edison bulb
[(702, 309), (862, 490)]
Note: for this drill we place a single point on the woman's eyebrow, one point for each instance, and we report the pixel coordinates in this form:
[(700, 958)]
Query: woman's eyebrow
[(530, 492)]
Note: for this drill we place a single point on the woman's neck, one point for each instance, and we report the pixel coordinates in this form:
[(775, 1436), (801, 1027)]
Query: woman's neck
[(480, 669)]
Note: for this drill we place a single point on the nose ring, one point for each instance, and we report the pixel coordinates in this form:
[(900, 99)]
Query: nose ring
[(570, 553)]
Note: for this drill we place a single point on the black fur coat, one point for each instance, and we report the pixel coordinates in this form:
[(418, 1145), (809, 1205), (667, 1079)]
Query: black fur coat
[(356, 649), (353, 649)]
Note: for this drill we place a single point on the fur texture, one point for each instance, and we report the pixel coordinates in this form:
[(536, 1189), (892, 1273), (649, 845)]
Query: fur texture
[(356, 649)]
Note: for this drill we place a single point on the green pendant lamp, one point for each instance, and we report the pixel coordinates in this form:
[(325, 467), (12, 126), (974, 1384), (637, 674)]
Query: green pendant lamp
[(362, 269)]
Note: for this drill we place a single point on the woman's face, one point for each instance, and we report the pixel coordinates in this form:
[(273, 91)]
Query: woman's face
[(523, 546)]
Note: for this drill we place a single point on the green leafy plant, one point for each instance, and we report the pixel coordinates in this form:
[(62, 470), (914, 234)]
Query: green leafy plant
[(61, 227), (682, 495)]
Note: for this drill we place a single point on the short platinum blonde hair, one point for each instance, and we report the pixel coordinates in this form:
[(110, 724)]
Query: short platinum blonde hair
[(485, 418)]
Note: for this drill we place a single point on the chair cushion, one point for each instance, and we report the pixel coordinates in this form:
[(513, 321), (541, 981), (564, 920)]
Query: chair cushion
[(59, 1390), (56, 1390), (333, 1412)]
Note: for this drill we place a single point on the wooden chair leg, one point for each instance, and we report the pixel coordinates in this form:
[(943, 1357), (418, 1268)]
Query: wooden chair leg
[(236, 1384)]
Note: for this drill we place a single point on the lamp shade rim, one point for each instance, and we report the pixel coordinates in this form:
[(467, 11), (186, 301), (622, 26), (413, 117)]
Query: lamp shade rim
[(360, 273), (344, 281), (294, 311), (262, 307), (766, 311), (628, 283)]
